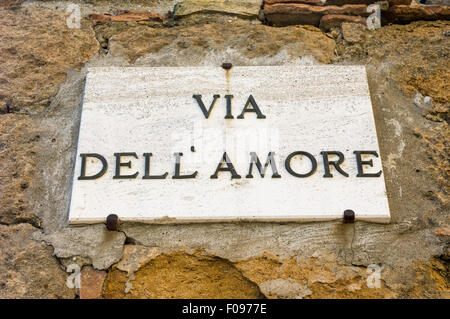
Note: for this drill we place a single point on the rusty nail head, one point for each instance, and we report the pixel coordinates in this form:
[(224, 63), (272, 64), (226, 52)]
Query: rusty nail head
[(227, 65), (349, 216), (112, 222)]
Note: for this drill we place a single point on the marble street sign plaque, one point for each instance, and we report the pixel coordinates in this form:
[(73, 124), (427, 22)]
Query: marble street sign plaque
[(199, 144)]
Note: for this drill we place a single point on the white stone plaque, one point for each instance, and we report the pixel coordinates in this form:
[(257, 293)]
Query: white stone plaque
[(152, 145)]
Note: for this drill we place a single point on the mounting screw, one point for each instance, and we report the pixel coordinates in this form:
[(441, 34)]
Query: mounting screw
[(227, 65), (349, 216), (112, 222)]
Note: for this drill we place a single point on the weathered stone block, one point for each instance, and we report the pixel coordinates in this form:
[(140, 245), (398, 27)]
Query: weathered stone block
[(127, 16), (335, 2), (91, 283), (27, 268), (335, 20), (353, 32), (241, 41), (181, 275), (445, 232), (407, 14), (289, 14), (189, 9), (17, 167), (438, 2), (10, 3), (37, 47), (284, 289), (103, 247), (135, 256)]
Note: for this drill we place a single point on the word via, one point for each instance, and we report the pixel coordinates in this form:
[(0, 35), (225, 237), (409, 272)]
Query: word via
[(250, 106)]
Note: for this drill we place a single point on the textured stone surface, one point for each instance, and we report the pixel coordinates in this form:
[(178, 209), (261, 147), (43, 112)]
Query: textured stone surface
[(284, 289), (409, 13), (437, 144), (353, 32), (135, 256), (36, 49), (438, 2), (239, 43), (417, 59), (103, 247), (10, 3), (335, 20), (335, 2), (113, 7), (197, 11), (293, 13), (127, 16), (17, 168), (418, 64), (181, 275), (78, 260), (323, 275), (311, 2), (57, 130), (442, 232), (27, 268), (91, 284)]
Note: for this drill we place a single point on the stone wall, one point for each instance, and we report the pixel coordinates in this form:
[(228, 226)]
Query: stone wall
[(42, 68)]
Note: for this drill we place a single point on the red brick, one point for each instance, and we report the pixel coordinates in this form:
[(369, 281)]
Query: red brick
[(91, 285), (442, 232), (127, 16), (407, 14), (335, 20)]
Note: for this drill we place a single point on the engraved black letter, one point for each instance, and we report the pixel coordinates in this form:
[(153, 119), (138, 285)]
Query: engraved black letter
[(287, 164), (360, 163), (83, 166), (119, 164), (270, 160), (255, 108), (229, 115), (147, 169), (327, 163), (177, 168), (198, 98), (229, 168)]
